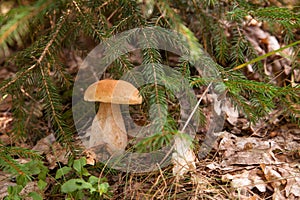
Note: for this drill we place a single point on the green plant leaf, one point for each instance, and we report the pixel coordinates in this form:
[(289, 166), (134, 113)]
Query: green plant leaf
[(13, 197), (35, 196), (22, 180), (93, 180), (76, 184), (33, 167), (62, 171), (103, 188), (44, 171), (78, 164), (85, 172), (42, 184)]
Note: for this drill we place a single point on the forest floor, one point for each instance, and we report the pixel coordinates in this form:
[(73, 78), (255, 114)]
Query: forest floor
[(247, 161)]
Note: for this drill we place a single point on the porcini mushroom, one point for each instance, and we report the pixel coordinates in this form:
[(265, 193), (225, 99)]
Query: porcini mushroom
[(108, 126)]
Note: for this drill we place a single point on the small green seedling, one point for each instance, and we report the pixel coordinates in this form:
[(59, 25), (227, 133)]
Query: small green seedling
[(84, 185)]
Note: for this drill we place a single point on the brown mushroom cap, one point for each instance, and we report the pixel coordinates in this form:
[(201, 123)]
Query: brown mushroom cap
[(113, 91)]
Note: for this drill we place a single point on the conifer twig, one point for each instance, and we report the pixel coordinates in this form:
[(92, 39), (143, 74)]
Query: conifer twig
[(188, 120), (195, 108), (39, 60), (259, 58)]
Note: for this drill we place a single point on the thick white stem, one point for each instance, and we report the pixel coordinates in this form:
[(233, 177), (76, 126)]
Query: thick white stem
[(108, 128)]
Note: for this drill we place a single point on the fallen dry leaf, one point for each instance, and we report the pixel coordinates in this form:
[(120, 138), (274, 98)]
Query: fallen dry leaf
[(292, 175), (90, 157), (247, 150), (278, 65), (54, 151), (284, 180), (183, 158), (5, 180), (231, 112), (246, 181), (5, 122), (57, 154), (43, 146)]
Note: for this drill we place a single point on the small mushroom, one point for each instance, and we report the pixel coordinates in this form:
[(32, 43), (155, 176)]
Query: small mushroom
[(108, 126)]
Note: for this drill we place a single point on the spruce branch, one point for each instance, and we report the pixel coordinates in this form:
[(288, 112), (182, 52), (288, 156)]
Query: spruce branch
[(154, 73), (284, 16), (21, 152), (258, 99), (9, 164), (52, 98), (259, 58), (94, 29), (52, 105), (17, 24), (195, 108), (40, 59)]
